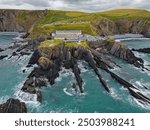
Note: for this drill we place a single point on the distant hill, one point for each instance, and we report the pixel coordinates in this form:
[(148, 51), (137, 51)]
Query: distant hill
[(41, 23)]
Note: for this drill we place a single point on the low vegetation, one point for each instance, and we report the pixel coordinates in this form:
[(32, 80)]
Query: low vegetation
[(56, 43), (129, 14), (46, 22), (82, 44), (50, 43)]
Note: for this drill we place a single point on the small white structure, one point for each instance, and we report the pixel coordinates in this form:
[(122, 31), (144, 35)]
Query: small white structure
[(67, 35)]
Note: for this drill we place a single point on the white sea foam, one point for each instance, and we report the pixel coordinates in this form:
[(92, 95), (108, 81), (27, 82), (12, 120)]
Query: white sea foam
[(27, 69), (64, 73), (66, 92), (25, 97), (114, 94), (141, 105), (139, 84), (82, 67), (3, 99), (130, 39)]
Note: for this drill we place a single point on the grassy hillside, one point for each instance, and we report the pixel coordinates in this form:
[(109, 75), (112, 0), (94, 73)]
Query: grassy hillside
[(45, 22), (56, 43), (64, 20), (126, 14), (27, 18)]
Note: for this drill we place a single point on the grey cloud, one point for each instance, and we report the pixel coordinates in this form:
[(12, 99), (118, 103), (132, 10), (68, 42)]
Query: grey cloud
[(36, 3), (81, 5)]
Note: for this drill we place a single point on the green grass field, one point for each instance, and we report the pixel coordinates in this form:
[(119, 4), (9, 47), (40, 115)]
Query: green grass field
[(73, 20), (57, 43)]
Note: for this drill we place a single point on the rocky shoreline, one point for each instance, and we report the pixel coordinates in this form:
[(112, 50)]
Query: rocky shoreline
[(50, 62), (97, 55)]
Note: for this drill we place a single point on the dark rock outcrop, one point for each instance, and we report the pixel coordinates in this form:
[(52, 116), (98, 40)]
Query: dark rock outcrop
[(13, 106), (139, 96), (22, 53), (44, 63), (32, 83), (144, 50), (25, 35), (118, 50), (97, 55), (1, 49), (3, 56), (76, 72), (29, 86), (74, 87), (35, 57), (88, 57), (39, 96)]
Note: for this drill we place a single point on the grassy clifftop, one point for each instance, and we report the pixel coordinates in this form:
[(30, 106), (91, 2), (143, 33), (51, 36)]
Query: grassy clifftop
[(69, 20), (129, 14)]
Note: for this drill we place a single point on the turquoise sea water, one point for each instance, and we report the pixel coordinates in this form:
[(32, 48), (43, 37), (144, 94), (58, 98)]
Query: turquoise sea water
[(61, 98)]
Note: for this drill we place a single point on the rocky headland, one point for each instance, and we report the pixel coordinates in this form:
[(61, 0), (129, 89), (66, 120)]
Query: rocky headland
[(51, 57)]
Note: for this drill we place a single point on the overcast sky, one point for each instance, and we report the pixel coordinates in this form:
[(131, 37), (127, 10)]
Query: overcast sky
[(81, 5)]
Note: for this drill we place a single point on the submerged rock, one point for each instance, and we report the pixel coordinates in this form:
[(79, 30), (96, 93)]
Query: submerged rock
[(39, 96), (1, 49), (13, 106), (3, 56), (22, 53), (40, 82), (74, 87)]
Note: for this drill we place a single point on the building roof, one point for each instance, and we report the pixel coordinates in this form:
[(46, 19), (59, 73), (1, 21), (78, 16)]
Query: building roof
[(68, 32), (66, 36)]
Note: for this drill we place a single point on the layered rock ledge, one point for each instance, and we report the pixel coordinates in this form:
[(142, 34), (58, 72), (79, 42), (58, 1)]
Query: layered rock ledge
[(13, 106), (52, 56)]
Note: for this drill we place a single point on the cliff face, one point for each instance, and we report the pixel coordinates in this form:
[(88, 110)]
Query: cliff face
[(8, 21), (19, 21), (107, 27)]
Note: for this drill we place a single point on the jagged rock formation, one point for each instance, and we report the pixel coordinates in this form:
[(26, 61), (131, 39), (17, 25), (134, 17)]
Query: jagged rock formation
[(3, 56), (13, 106), (144, 50), (44, 63), (1, 49), (118, 50), (97, 55), (50, 60)]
